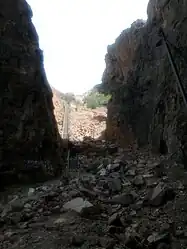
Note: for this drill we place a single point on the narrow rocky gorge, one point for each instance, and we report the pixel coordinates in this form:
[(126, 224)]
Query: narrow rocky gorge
[(113, 192)]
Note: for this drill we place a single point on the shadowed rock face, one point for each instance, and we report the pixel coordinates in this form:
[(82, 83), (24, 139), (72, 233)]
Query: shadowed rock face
[(28, 129), (146, 106)]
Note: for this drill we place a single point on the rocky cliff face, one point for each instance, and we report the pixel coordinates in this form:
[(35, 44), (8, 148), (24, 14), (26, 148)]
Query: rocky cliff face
[(28, 128), (146, 105)]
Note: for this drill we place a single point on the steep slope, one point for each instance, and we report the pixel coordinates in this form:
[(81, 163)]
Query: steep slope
[(146, 105), (27, 126)]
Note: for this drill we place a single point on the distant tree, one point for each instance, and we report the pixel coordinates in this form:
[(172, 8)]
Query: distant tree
[(95, 99), (68, 97)]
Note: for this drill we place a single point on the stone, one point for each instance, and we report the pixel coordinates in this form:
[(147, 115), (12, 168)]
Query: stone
[(26, 216), (28, 206), (114, 220), (138, 205), (114, 185), (2, 237), (180, 186), (115, 230), (114, 166), (77, 204), (138, 181), (78, 240), (157, 238), (133, 213), (123, 199), (31, 191), (56, 209), (60, 220), (148, 176), (9, 234), (126, 183), (159, 170), (50, 196), (112, 149), (134, 194), (141, 161), (151, 182), (7, 209), (17, 205), (74, 193), (36, 225), (132, 239), (87, 178), (44, 188), (102, 172), (179, 233), (107, 243), (15, 217), (130, 172), (91, 212), (163, 246), (160, 195)]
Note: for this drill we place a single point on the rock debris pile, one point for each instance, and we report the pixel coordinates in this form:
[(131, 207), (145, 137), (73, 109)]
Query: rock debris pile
[(87, 123), (115, 199)]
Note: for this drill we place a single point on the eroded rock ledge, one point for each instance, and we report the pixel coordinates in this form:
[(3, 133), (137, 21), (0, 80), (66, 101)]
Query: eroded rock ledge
[(146, 107), (28, 128)]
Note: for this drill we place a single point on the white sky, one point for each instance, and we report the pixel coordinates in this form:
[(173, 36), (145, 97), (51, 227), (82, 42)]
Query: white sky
[(74, 35)]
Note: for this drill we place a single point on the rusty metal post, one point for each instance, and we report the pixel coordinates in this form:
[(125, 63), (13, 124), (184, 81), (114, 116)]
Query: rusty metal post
[(174, 67)]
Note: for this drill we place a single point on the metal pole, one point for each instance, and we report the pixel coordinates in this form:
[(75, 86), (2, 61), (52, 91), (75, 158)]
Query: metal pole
[(175, 70), (68, 163)]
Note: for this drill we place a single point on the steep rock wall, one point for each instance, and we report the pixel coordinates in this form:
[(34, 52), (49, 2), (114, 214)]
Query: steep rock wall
[(28, 128), (146, 105)]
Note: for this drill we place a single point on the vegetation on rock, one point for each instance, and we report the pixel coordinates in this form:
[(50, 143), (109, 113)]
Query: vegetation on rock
[(96, 99)]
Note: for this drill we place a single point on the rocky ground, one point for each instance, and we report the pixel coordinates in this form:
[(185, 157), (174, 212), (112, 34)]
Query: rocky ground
[(87, 123), (111, 198)]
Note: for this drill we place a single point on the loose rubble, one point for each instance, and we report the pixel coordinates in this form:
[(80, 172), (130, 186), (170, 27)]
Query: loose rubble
[(114, 200), (87, 123)]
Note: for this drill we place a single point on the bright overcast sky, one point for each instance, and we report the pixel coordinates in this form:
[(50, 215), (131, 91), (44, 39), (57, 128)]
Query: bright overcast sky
[(74, 35)]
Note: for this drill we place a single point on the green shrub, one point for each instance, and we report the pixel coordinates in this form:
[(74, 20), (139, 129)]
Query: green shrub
[(95, 99)]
